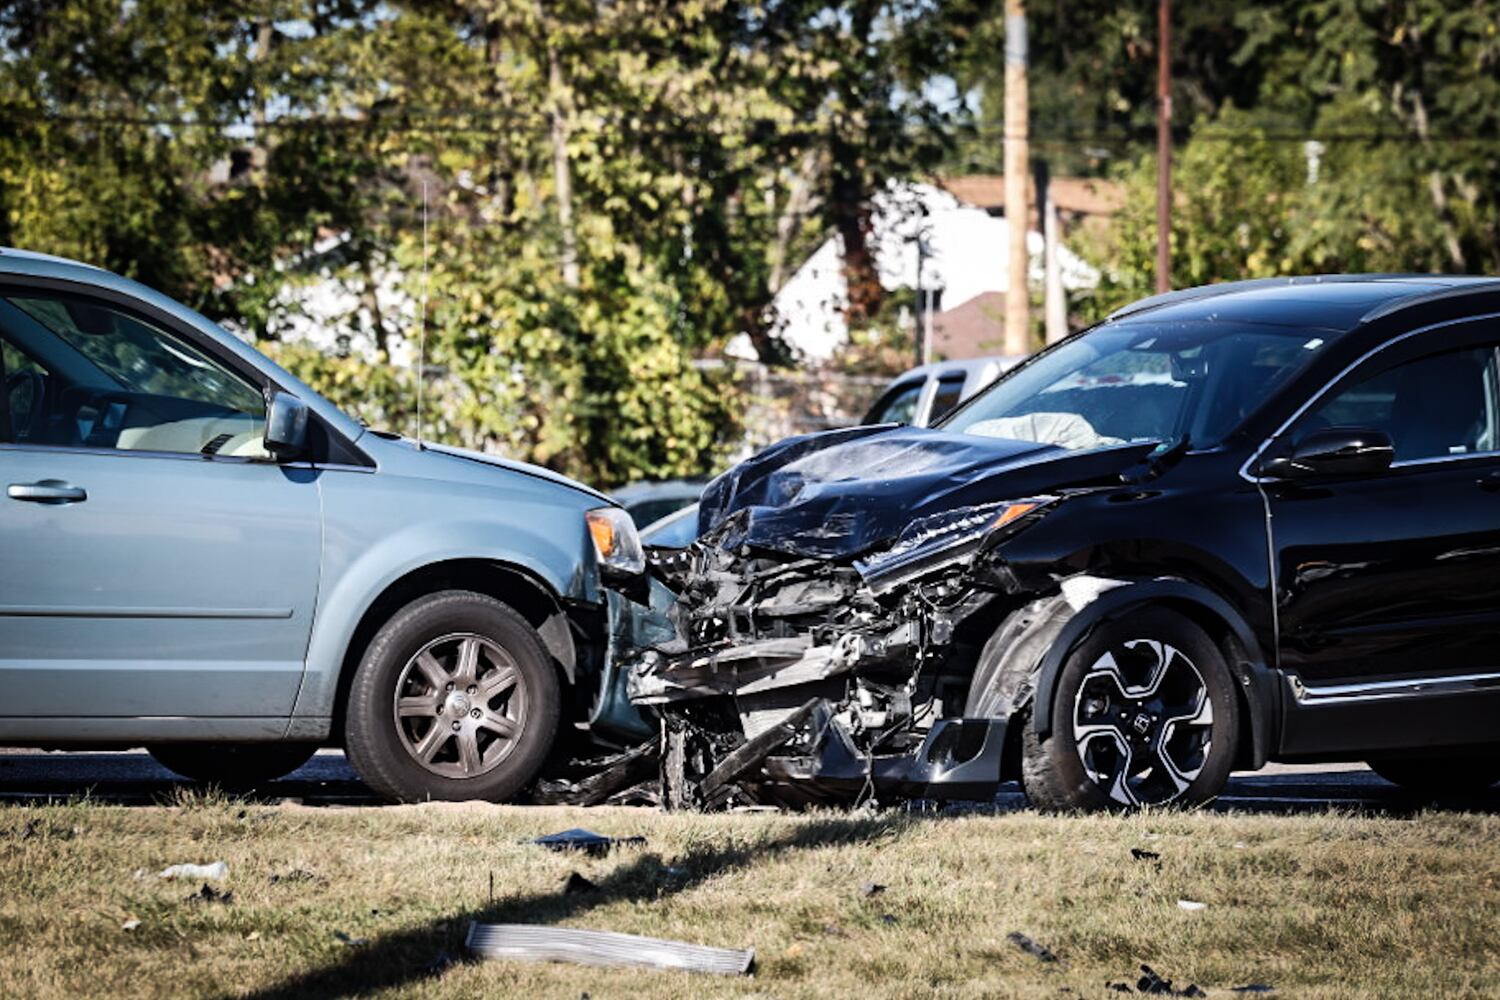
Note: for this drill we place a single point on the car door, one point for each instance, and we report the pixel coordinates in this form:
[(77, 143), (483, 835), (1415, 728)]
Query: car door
[(156, 562), (1388, 584)]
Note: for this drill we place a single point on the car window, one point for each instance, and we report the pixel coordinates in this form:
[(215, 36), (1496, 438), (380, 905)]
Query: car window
[(1432, 407), (898, 406), (99, 377), (949, 393), (1139, 382)]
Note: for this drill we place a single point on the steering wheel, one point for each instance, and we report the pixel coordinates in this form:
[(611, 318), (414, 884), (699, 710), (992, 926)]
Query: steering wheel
[(13, 382)]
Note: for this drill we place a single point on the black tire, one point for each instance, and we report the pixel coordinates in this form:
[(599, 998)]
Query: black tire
[(1201, 749), (477, 761), (233, 765), (1460, 774)]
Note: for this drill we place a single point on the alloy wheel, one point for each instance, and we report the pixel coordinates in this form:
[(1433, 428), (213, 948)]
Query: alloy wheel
[(460, 705), (1143, 723)]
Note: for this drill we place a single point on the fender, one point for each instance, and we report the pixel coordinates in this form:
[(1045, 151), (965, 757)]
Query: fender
[(1117, 597), (343, 601)]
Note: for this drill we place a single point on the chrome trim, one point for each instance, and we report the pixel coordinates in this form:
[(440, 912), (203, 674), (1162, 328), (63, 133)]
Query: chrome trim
[(1330, 383), (1410, 687)]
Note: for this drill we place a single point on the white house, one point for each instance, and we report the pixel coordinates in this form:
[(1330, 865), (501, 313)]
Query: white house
[(961, 251)]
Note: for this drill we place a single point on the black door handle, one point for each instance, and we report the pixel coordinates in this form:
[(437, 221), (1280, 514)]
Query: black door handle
[(48, 491), (1489, 481)]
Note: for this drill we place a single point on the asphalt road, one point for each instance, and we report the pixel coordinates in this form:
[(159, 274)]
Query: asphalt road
[(133, 778)]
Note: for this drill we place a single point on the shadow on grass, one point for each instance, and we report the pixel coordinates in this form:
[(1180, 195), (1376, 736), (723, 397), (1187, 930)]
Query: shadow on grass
[(405, 956)]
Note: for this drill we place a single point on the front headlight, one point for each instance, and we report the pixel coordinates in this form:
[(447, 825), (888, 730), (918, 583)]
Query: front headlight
[(616, 541), (931, 541)]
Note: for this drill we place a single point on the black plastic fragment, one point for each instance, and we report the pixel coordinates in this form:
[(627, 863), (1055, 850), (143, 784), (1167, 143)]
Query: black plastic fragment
[(1141, 854), (208, 894), (871, 889), (594, 844), (1031, 947), (1152, 983)]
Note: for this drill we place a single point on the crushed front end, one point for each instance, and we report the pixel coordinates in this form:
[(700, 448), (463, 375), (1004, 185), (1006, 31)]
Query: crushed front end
[(796, 679)]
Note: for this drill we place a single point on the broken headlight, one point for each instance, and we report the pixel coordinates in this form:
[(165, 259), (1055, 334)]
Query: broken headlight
[(932, 541), (615, 541)]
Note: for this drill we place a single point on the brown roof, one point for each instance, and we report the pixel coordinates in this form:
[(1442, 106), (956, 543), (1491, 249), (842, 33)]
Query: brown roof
[(974, 329), (1081, 195)]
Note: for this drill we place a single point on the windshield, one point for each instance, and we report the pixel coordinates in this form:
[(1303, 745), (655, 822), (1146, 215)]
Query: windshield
[(1141, 382)]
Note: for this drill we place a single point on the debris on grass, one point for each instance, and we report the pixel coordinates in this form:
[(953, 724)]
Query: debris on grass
[(297, 875), (1141, 854), (869, 889), (208, 894), (1151, 982), (39, 828), (130, 924), (576, 883), (1031, 947), (1191, 905), (531, 943), (215, 872), (1253, 988), (594, 844), (348, 940)]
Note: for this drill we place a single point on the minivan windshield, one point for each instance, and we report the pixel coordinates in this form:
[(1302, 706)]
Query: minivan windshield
[(1137, 382)]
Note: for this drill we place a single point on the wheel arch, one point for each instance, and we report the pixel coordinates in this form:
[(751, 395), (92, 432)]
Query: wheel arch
[(524, 592), (1255, 685)]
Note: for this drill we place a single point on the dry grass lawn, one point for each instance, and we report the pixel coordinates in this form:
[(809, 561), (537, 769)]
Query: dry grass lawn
[(1319, 906)]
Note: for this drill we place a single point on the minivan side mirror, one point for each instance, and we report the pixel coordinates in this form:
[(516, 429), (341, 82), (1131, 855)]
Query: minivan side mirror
[(286, 426), (1335, 451)]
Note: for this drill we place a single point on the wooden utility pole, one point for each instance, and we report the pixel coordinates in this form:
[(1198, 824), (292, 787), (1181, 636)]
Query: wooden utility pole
[(1017, 173), (1054, 300), (1164, 145)]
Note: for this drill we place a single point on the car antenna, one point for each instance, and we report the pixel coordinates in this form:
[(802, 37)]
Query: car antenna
[(422, 322)]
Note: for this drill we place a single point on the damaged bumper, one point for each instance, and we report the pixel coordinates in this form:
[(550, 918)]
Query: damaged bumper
[(796, 680)]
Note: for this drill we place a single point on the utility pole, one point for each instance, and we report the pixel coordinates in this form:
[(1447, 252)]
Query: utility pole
[(1017, 174), (1054, 301), (1164, 145)]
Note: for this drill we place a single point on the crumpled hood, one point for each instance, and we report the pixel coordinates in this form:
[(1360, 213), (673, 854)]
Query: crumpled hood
[(839, 494)]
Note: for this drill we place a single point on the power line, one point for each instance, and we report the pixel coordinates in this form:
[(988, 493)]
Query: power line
[(417, 122)]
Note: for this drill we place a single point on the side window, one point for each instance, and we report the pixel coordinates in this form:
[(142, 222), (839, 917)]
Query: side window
[(898, 406), (950, 392), (98, 377), (21, 392), (1432, 407)]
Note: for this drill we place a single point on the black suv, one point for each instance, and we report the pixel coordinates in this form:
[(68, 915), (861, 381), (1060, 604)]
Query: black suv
[(1232, 524)]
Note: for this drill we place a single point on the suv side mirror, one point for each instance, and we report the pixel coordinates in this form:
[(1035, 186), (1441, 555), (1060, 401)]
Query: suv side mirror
[(1335, 451), (286, 426)]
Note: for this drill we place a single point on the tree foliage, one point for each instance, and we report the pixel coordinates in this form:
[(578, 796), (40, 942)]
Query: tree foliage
[(612, 189)]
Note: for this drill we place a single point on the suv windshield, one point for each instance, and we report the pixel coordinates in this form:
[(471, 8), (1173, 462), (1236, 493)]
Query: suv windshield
[(1141, 382)]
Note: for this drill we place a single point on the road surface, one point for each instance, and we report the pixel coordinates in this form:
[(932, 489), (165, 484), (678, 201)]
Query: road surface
[(133, 778)]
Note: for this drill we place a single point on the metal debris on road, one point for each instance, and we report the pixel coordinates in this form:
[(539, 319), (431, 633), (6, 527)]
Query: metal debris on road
[(531, 943)]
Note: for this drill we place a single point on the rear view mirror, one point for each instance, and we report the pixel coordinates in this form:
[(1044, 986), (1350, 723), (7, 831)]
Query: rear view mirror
[(286, 426), (1335, 451)]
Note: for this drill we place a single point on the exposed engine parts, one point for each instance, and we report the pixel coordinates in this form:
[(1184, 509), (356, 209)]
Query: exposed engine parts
[(796, 679)]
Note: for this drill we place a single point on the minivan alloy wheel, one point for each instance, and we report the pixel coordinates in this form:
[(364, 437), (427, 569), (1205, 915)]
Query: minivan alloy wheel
[(1143, 722), (460, 706)]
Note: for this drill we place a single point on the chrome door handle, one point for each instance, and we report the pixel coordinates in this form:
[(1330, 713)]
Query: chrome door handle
[(49, 491)]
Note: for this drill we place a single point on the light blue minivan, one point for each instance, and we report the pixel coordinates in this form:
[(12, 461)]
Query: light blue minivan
[(201, 555)]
